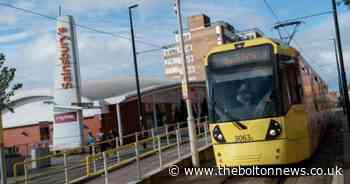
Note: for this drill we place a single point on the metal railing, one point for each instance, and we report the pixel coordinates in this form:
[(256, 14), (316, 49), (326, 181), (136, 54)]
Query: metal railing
[(69, 167)]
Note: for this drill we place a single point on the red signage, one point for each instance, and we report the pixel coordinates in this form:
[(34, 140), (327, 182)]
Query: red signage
[(66, 117), (65, 58)]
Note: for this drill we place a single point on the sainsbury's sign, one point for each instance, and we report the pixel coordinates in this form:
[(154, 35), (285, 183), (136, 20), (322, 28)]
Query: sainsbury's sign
[(67, 127), (65, 58)]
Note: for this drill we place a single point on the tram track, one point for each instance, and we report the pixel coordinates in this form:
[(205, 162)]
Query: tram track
[(281, 180), (254, 180)]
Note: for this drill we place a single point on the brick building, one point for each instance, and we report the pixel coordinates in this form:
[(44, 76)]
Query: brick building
[(201, 36)]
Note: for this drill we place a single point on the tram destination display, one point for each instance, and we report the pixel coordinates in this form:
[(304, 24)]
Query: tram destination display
[(249, 55)]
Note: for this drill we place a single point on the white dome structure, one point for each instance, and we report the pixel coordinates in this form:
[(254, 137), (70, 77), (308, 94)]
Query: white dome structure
[(34, 106)]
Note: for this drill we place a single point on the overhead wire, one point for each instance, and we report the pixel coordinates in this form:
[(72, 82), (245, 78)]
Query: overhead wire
[(293, 39), (308, 16), (80, 25)]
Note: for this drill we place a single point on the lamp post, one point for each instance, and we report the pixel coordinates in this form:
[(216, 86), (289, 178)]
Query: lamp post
[(139, 100), (185, 92), (341, 63), (339, 76)]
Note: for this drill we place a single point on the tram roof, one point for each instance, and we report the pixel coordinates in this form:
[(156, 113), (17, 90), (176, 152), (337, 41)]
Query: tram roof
[(279, 47)]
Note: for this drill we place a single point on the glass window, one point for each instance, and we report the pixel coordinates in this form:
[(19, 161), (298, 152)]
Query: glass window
[(290, 84), (246, 92)]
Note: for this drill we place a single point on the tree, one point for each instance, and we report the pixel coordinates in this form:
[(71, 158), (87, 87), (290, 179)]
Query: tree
[(6, 92)]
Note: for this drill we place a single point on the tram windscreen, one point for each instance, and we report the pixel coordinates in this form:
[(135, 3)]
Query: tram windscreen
[(242, 91)]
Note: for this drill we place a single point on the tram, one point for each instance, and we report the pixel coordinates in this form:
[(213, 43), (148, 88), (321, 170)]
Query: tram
[(267, 106)]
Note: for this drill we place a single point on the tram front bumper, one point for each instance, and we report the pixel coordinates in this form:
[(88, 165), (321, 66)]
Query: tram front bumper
[(272, 152)]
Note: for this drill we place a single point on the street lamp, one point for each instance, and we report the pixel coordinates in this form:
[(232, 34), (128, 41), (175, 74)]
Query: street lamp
[(185, 92), (341, 63), (339, 76), (139, 100)]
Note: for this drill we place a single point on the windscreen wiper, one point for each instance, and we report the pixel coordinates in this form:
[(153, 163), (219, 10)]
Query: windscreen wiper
[(234, 120)]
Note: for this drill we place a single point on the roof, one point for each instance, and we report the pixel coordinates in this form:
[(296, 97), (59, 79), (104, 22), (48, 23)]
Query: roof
[(96, 90), (30, 107), (146, 90)]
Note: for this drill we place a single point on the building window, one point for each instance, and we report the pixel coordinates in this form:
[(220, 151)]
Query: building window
[(189, 58), (188, 48), (186, 36), (191, 69), (172, 70), (44, 133), (192, 78), (170, 51)]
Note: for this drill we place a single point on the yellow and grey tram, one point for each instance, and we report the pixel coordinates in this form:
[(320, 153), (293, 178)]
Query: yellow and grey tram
[(267, 106)]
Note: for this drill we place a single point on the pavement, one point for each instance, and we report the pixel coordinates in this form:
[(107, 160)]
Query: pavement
[(149, 164), (77, 167)]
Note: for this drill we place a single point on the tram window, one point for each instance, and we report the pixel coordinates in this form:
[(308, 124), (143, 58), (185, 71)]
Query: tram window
[(285, 91), (300, 89), (291, 86)]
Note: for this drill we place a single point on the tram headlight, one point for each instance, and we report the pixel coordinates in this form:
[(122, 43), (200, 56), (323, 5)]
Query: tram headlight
[(275, 130), (272, 132), (217, 134)]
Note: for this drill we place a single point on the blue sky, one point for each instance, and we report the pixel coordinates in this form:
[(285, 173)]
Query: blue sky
[(30, 45)]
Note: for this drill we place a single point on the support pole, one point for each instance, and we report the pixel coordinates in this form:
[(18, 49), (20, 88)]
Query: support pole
[(117, 149), (105, 166), (65, 162), (185, 91), (341, 62), (167, 134), (339, 76), (138, 164), (160, 152), (94, 157), (205, 124), (25, 173), (154, 106), (139, 99), (120, 124), (178, 144), (153, 139)]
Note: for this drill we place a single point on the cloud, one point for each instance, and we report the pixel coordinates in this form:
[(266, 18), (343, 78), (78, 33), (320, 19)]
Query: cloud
[(14, 37), (238, 13), (105, 7), (7, 16), (103, 56), (316, 45)]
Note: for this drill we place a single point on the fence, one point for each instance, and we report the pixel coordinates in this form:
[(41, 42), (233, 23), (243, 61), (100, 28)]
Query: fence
[(71, 166)]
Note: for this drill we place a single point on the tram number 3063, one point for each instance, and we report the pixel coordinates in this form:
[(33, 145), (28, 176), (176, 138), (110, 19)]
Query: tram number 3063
[(244, 138)]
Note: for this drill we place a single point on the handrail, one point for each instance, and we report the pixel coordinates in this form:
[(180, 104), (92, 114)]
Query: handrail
[(91, 161)]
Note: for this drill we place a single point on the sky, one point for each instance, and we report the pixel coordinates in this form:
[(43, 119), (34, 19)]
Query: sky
[(29, 41)]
